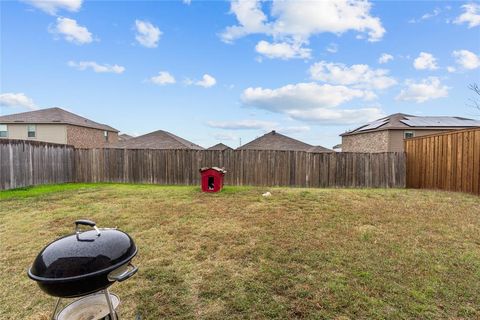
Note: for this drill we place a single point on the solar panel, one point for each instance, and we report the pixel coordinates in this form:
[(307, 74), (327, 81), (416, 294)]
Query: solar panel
[(374, 125), (440, 122)]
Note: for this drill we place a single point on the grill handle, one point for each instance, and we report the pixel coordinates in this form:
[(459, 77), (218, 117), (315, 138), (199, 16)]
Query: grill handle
[(125, 275), (85, 222)]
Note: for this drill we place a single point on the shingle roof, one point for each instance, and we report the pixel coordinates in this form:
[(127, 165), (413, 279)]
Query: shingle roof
[(221, 170), (406, 121), (124, 137), (220, 146), (157, 140), (276, 141), (53, 116), (318, 149)]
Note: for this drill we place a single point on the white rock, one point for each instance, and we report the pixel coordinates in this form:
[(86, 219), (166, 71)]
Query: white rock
[(267, 194)]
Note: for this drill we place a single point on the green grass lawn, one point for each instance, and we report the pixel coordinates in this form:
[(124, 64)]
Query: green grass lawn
[(302, 253)]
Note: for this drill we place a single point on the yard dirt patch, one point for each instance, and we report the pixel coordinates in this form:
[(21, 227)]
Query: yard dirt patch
[(301, 253)]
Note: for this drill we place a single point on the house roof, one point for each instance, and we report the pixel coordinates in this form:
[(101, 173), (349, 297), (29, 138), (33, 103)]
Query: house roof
[(337, 146), (220, 146), (157, 140), (53, 116), (276, 141), (401, 121), (124, 137), (318, 149)]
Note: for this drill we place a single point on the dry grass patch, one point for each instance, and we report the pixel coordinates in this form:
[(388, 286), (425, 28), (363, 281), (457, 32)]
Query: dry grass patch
[(302, 253)]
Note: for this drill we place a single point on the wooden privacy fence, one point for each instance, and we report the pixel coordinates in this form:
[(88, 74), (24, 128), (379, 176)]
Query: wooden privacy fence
[(449, 161), (244, 167), (27, 163)]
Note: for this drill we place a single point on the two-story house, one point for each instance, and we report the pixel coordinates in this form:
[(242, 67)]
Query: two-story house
[(57, 126)]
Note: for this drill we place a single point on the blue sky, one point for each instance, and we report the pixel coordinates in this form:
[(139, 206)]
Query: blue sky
[(220, 71)]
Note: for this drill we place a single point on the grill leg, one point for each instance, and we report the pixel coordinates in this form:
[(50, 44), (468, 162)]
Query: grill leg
[(54, 315), (113, 315)]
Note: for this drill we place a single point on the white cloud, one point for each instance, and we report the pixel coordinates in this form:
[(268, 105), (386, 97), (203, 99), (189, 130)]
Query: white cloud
[(250, 17), (252, 124), (294, 22), (226, 136), (427, 16), (358, 75), (293, 129), (52, 6), (311, 102), (248, 124), (451, 69), (147, 34), (471, 15), (384, 58), (106, 68), (188, 2), (163, 78), (432, 14), (332, 48), (17, 100), (302, 96), (329, 116), (71, 31), (425, 61), (467, 59), (206, 82), (427, 89), (282, 50)]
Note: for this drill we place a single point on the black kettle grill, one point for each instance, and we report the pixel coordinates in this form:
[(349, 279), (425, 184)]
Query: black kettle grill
[(85, 262)]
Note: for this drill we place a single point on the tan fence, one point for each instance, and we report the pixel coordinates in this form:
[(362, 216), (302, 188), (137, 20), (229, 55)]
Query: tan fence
[(449, 161), (26, 163)]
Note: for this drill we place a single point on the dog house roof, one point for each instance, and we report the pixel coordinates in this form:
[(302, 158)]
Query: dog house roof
[(221, 170)]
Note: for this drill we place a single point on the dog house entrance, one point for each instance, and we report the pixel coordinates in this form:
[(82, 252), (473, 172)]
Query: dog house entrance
[(211, 183)]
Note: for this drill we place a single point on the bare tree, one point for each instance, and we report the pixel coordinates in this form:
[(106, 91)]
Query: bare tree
[(475, 102)]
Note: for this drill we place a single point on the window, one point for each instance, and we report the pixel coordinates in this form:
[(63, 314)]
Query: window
[(3, 131), (32, 131), (105, 134), (408, 134)]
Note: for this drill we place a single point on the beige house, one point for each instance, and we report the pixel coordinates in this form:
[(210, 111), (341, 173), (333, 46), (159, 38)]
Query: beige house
[(57, 126), (387, 134)]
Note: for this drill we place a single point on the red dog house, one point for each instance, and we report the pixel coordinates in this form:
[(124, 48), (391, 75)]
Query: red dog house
[(212, 179)]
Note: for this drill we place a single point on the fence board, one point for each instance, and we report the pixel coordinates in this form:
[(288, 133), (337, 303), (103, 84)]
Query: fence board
[(448, 161)]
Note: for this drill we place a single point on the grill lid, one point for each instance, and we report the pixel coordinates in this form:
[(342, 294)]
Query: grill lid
[(83, 253)]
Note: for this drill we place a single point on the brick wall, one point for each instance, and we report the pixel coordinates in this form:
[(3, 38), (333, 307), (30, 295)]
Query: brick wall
[(366, 142), (82, 137)]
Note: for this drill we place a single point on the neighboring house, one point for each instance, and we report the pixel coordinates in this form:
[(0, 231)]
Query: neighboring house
[(276, 141), (58, 126), (318, 149), (220, 147), (124, 137), (337, 147), (387, 134), (156, 140)]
